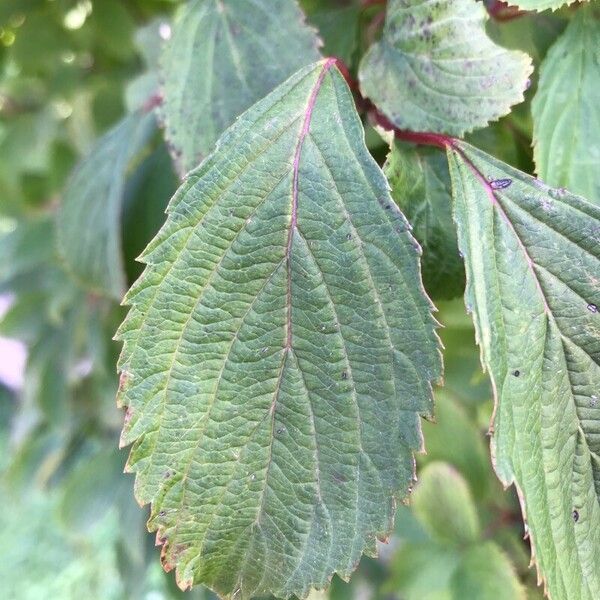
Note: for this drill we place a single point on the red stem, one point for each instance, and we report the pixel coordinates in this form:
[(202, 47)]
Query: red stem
[(368, 3), (502, 12), (425, 138)]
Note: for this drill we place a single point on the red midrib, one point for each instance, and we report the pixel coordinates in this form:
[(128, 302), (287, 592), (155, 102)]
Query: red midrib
[(296, 167)]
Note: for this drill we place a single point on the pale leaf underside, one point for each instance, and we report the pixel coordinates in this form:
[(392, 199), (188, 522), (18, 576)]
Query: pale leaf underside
[(539, 5), (565, 111), (533, 269), (223, 56), (435, 69), (89, 219), (278, 352)]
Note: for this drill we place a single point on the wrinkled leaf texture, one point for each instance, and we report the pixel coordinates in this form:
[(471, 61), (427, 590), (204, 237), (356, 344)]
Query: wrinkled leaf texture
[(278, 352)]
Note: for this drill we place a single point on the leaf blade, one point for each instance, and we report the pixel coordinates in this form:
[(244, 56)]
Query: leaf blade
[(420, 185), (563, 109), (287, 356), (416, 74), (250, 49), (89, 217), (532, 255)]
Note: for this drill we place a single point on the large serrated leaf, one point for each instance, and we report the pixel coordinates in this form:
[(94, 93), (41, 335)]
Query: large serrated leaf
[(565, 111), (533, 268), (223, 56), (278, 352), (436, 69), (89, 218)]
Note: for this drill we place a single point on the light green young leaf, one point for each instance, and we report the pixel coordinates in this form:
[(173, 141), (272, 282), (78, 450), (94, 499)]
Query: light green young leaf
[(278, 352), (89, 219), (485, 573), (223, 56), (565, 109), (533, 266), (435, 69), (420, 186), (442, 501), (540, 5)]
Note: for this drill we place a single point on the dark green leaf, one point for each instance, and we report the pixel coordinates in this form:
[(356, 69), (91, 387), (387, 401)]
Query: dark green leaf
[(533, 261), (278, 352), (421, 187)]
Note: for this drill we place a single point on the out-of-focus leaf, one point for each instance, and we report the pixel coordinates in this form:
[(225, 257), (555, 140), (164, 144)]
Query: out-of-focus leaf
[(435, 68), (532, 33), (565, 109), (89, 230), (39, 42), (442, 501), (338, 27), (223, 56), (423, 572), (506, 141), (26, 146), (92, 489), (28, 246), (149, 44), (420, 185), (303, 395), (113, 26), (533, 257), (456, 439), (40, 561), (46, 384), (148, 192), (463, 377), (485, 573)]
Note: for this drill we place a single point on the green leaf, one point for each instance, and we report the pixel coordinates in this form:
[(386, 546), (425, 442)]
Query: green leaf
[(421, 187), (540, 4), (278, 352), (223, 56), (26, 248), (338, 26), (435, 69), (442, 501), (148, 192), (532, 33), (485, 573), (423, 572), (149, 44), (532, 257), (456, 439), (89, 231), (43, 561), (565, 110)]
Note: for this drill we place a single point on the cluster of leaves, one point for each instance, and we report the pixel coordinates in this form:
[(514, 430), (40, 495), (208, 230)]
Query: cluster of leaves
[(280, 349)]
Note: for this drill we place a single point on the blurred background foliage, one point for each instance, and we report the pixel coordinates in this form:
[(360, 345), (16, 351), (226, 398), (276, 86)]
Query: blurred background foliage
[(69, 528)]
